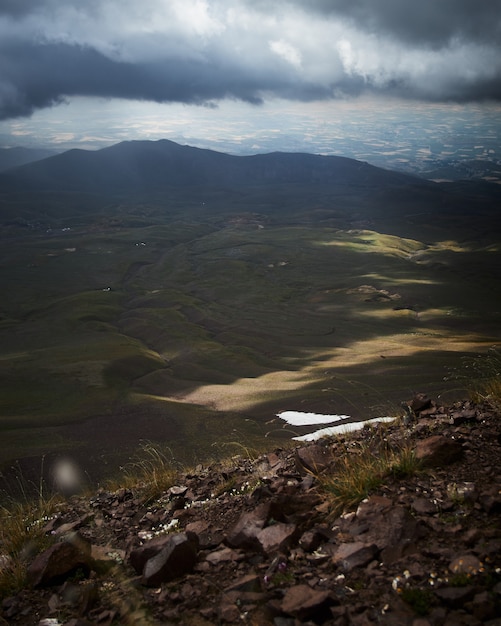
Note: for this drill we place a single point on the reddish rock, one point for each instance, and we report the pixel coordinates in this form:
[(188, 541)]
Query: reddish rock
[(482, 607), (208, 536), (465, 564), (373, 505), (313, 458), (223, 555), (139, 557), (438, 451), (311, 540), (392, 528), (356, 554), (56, 563), (423, 506), (248, 583), (419, 403), (277, 537), (490, 499), (238, 603), (304, 603), (177, 558), (455, 597), (244, 533)]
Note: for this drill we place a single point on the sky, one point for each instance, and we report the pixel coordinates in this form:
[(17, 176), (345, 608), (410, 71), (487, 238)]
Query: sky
[(245, 75)]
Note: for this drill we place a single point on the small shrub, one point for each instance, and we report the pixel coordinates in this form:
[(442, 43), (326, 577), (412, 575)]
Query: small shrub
[(420, 600), (460, 579)]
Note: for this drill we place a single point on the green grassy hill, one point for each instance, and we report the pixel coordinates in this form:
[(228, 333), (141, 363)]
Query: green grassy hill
[(190, 317)]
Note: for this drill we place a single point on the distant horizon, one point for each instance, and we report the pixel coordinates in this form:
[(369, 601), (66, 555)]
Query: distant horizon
[(409, 137), (404, 85)]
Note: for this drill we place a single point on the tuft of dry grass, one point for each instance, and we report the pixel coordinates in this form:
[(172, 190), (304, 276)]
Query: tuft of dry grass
[(485, 383), (364, 467), (21, 537), (151, 475)]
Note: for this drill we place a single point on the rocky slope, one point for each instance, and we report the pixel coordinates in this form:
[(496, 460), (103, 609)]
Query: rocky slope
[(256, 542)]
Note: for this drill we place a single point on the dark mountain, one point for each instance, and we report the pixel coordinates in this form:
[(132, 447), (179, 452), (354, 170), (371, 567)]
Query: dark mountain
[(14, 157), (158, 165)]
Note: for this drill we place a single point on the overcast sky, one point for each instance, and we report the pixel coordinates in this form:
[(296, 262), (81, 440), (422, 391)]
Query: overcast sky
[(146, 65)]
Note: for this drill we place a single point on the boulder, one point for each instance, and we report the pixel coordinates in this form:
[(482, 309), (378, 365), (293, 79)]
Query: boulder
[(57, 563), (223, 555), (420, 402), (423, 506), (244, 533), (355, 554), (305, 603), (139, 556), (391, 528), (455, 597), (176, 559), (314, 459), (466, 564), (438, 451), (277, 537)]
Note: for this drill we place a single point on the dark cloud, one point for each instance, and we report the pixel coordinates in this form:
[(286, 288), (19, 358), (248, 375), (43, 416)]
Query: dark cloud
[(41, 75), (434, 22), (250, 50), (15, 7), (19, 8)]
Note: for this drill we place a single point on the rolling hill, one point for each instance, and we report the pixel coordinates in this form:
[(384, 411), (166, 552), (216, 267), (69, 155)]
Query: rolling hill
[(152, 291)]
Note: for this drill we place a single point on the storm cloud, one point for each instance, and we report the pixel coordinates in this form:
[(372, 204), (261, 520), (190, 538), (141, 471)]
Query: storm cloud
[(202, 51)]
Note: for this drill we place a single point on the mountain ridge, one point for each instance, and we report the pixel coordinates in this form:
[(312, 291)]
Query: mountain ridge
[(18, 156), (157, 165)]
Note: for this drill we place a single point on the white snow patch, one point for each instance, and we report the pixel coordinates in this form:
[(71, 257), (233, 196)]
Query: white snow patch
[(341, 429), (298, 418)]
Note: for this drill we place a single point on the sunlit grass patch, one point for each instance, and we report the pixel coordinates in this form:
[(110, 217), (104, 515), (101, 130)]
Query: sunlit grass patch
[(374, 242)]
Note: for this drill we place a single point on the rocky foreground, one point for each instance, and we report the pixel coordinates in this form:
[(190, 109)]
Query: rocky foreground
[(257, 542)]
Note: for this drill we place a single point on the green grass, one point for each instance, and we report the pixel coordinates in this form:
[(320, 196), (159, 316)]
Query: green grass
[(223, 294), (420, 600)]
